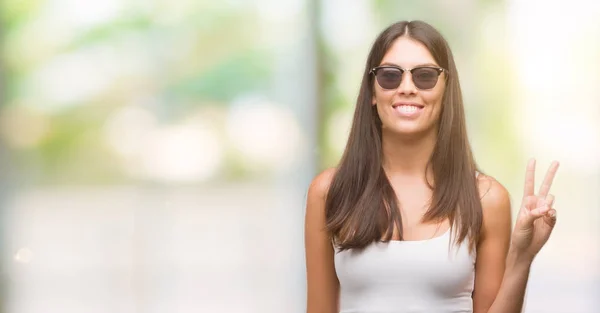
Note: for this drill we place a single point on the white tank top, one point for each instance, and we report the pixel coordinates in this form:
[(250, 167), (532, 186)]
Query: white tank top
[(407, 276)]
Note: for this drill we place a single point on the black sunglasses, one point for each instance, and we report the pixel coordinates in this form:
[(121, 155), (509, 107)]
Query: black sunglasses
[(390, 77)]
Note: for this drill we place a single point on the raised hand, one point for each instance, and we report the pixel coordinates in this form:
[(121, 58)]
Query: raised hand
[(537, 217)]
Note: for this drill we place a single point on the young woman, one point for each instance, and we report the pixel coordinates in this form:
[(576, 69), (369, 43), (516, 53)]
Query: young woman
[(406, 222)]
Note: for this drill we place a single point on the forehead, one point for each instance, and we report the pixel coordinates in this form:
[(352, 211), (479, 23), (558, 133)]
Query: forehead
[(407, 52)]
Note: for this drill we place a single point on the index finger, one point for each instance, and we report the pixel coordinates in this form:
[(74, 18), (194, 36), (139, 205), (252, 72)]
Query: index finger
[(545, 187), (529, 178)]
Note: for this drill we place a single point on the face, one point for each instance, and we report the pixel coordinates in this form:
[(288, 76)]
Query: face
[(408, 109)]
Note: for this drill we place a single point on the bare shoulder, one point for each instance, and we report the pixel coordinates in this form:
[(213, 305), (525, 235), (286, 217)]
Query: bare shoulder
[(493, 247), (316, 198), (492, 193), (495, 202), (320, 184), (322, 282)]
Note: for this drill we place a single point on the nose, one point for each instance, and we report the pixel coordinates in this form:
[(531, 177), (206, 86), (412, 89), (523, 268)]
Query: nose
[(407, 87)]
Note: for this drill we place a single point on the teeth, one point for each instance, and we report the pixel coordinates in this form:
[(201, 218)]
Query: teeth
[(407, 108)]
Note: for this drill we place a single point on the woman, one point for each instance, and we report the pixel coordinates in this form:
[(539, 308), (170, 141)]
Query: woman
[(406, 223)]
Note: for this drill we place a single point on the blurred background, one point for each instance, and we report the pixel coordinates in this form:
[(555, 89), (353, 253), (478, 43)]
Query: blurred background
[(155, 155)]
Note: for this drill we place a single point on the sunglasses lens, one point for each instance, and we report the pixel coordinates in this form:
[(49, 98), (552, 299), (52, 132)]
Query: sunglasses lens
[(425, 78), (389, 78)]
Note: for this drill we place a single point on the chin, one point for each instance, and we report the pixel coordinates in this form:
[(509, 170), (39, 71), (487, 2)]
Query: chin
[(407, 128)]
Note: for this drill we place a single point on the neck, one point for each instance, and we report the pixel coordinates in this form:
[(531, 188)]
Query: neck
[(407, 156)]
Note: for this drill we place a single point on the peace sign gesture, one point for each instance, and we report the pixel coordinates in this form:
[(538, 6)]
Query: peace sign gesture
[(536, 217)]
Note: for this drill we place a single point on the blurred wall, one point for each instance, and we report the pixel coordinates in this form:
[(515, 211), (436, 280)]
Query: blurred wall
[(156, 154)]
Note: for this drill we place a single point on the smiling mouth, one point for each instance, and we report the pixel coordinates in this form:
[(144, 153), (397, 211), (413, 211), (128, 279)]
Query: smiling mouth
[(415, 105), (407, 109)]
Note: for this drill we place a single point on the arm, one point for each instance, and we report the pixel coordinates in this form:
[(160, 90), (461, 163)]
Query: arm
[(535, 222), (322, 282), (512, 292), (491, 265)]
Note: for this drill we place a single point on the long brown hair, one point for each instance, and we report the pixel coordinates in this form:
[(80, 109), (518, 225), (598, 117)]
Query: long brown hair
[(361, 204)]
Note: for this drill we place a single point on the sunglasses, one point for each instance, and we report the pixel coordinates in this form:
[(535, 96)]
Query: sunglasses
[(390, 77)]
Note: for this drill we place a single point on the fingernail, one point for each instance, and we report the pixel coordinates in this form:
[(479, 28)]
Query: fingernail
[(553, 214)]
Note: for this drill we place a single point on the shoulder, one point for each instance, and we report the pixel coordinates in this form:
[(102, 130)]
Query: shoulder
[(316, 198), (495, 203), (322, 283), (320, 184), (494, 242), (492, 193)]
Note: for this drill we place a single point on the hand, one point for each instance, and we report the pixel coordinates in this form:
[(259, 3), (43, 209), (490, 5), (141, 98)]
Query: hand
[(536, 217)]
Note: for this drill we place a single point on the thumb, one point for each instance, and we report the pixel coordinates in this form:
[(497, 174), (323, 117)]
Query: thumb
[(550, 218)]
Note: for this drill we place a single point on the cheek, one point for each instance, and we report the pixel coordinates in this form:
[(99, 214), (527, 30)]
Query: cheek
[(383, 96), (434, 98)]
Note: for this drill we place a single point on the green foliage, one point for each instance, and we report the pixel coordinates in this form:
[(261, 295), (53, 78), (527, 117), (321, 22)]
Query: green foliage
[(14, 13), (247, 71)]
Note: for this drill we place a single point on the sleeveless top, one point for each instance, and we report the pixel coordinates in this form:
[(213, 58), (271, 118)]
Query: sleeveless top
[(433, 276)]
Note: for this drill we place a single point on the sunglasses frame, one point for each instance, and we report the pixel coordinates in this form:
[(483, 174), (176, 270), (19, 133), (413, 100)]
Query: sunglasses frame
[(440, 70)]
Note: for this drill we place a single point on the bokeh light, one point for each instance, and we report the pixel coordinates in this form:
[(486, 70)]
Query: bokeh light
[(155, 155)]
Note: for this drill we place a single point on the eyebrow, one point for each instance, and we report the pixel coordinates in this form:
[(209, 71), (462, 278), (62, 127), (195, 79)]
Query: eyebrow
[(419, 65)]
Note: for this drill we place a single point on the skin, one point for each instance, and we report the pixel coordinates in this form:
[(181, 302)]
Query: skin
[(407, 54), (503, 260)]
